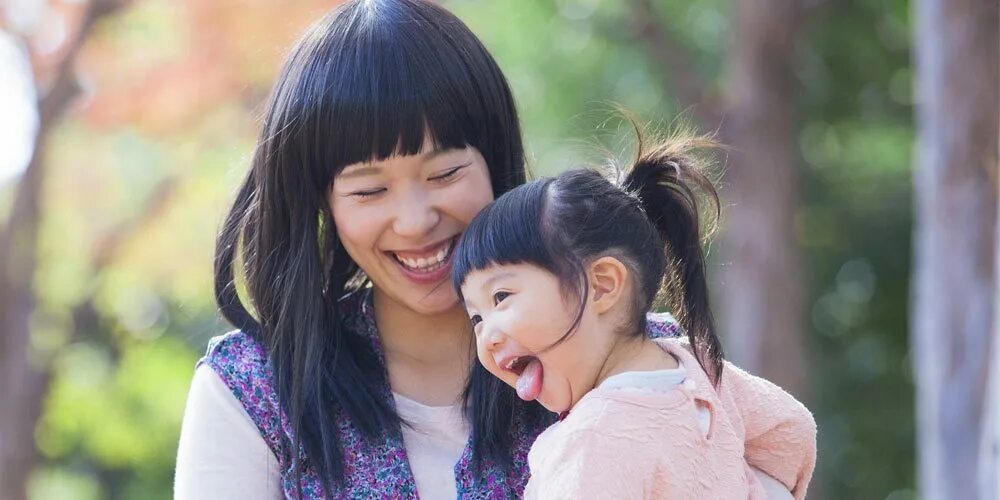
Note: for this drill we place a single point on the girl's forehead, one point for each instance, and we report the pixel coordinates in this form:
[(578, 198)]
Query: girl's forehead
[(484, 278), (495, 274)]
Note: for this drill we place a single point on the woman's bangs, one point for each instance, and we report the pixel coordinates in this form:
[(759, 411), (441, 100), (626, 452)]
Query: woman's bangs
[(391, 90)]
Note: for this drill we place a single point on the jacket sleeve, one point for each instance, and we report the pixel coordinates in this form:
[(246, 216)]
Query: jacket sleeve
[(780, 431)]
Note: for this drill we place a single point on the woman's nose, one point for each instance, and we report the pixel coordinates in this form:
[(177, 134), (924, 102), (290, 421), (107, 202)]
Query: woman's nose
[(417, 215)]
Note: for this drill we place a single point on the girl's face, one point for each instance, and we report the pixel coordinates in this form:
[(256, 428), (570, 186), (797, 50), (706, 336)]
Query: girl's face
[(399, 220), (519, 310)]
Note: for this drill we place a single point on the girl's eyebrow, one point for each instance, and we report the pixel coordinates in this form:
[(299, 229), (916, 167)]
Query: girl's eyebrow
[(496, 277)]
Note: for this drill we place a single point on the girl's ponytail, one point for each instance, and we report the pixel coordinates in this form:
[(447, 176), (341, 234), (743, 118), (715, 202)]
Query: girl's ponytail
[(668, 181)]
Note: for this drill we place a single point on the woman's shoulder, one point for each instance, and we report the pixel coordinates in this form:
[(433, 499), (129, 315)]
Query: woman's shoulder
[(236, 354), (241, 362), (662, 325)]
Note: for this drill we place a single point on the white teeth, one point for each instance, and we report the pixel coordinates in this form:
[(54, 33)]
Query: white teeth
[(426, 263), (511, 363)]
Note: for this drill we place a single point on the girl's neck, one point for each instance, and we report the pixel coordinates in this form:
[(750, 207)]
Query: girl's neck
[(636, 353), (436, 340)]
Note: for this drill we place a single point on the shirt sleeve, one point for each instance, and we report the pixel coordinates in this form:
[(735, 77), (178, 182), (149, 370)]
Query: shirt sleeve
[(780, 431), (772, 487), (221, 452)]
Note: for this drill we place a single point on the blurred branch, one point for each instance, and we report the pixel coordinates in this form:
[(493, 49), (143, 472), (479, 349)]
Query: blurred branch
[(112, 242), (66, 86), (674, 63), (86, 318), (55, 101)]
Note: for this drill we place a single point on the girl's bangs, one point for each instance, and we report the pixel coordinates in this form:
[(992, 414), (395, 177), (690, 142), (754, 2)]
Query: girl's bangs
[(507, 231)]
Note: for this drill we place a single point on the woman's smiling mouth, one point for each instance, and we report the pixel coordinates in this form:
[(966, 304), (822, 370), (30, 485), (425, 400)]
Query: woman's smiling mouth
[(426, 265)]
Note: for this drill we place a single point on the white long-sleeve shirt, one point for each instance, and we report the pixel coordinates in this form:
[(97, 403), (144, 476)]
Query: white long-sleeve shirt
[(222, 454)]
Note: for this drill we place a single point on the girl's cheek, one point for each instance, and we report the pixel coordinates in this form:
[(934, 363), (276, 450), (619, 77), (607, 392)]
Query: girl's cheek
[(485, 359)]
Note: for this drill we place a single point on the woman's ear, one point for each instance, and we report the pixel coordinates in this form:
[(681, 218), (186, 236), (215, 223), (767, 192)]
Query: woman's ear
[(608, 279)]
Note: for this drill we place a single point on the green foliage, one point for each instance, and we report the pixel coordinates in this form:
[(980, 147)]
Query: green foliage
[(854, 227), (117, 414)]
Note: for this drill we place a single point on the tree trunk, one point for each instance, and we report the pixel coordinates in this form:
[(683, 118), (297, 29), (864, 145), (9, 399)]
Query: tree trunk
[(25, 375), (761, 287), (955, 279), (23, 381)]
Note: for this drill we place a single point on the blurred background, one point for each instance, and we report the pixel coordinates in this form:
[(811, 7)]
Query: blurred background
[(125, 127)]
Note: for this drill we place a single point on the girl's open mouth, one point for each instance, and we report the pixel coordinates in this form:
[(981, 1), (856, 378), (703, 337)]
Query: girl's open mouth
[(529, 375)]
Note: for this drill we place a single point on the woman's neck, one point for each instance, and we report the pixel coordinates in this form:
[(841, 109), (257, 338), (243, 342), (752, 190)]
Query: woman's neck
[(428, 357), (428, 339)]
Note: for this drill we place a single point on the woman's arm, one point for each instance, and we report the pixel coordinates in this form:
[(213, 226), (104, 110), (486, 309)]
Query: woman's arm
[(221, 452)]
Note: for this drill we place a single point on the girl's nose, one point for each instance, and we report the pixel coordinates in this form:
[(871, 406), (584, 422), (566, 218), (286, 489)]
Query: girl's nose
[(492, 337), (417, 215)]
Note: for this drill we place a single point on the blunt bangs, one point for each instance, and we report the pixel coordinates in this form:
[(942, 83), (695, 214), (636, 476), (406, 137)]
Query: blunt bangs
[(376, 78), (508, 231)]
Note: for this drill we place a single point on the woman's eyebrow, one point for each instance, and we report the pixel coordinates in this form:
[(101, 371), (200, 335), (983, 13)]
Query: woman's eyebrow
[(369, 169), (430, 155), (360, 172)]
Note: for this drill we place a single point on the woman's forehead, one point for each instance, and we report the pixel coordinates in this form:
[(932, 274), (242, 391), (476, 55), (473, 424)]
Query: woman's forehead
[(376, 165)]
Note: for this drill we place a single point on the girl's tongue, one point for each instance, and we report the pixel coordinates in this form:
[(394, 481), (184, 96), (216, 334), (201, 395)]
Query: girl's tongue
[(529, 384)]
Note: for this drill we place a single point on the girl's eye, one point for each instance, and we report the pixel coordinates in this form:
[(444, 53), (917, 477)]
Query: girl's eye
[(448, 174), (367, 194), (476, 319), (499, 297)]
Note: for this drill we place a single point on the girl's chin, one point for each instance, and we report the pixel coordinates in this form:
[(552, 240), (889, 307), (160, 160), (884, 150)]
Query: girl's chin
[(550, 405), (559, 410)]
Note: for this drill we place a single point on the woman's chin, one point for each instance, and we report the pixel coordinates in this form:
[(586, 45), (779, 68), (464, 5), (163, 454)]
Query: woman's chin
[(438, 301)]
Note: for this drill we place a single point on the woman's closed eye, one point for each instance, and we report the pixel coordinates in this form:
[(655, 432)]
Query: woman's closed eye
[(365, 194), (448, 174)]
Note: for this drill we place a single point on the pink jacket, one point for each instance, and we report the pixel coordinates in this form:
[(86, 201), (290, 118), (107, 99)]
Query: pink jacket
[(623, 443)]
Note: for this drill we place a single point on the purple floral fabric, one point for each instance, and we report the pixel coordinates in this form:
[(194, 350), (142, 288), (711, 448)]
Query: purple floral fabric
[(373, 470)]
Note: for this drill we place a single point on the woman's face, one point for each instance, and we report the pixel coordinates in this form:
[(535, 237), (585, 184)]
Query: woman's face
[(400, 218)]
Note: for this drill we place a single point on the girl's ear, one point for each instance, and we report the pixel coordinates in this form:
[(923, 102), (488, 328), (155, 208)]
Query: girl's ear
[(608, 280)]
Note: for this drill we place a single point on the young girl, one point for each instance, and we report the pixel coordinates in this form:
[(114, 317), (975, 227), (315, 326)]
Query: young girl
[(557, 276)]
